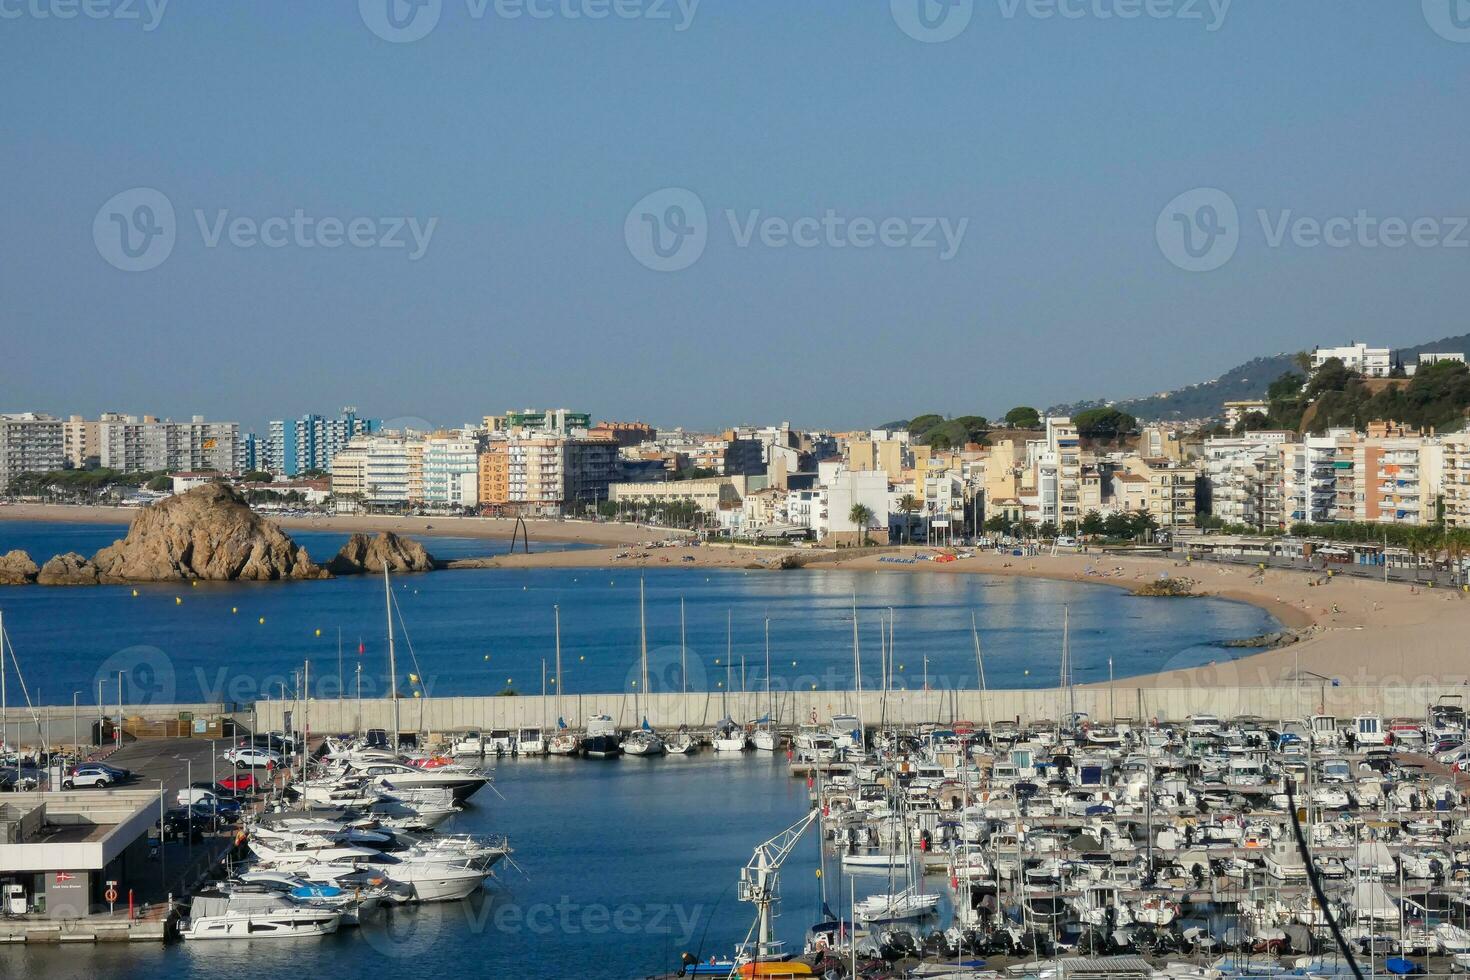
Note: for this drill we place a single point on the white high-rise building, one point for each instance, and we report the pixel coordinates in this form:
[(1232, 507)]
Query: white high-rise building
[(451, 472), (30, 443)]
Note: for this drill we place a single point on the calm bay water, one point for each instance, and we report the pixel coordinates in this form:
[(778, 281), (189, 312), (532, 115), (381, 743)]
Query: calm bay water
[(480, 631)]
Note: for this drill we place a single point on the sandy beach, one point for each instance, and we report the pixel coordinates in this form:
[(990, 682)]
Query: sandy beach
[(1358, 632), (580, 532)]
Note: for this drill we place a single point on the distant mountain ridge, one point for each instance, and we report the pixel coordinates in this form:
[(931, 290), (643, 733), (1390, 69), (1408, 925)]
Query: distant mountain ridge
[(1247, 381)]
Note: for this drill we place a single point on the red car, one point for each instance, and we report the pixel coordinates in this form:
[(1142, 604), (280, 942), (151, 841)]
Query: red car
[(244, 783)]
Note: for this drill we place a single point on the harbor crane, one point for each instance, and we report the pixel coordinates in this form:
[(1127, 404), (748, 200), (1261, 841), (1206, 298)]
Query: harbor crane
[(760, 884)]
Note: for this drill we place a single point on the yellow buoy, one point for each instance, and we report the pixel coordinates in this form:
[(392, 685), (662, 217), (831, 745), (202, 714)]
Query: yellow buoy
[(135, 593), (413, 678), (234, 609), (262, 620), (178, 600), (318, 632), (416, 694)]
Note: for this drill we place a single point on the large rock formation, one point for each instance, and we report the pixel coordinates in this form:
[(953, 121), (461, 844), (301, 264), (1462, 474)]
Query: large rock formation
[(68, 569), (16, 568), (364, 554), (208, 533)]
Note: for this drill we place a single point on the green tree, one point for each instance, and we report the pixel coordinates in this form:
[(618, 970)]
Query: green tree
[(908, 505), (997, 524), (1047, 531), (1103, 423), (1092, 523), (1023, 417), (862, 516)]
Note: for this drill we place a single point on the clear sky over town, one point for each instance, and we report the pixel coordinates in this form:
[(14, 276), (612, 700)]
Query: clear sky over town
[(827, 211)]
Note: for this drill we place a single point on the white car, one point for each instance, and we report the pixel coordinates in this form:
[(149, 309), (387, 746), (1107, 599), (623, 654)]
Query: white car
[(252, 758)]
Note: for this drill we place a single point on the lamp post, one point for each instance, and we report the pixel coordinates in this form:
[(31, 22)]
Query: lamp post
[(76, 740), (117, 735)]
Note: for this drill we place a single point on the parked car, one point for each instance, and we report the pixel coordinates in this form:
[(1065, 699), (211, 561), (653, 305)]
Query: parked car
[(241, 785), (91, 775), (253, 758), (179, 824)]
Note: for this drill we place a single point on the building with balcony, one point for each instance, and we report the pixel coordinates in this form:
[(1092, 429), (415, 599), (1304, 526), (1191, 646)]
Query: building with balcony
[(295, 446), (133, 444), (1370, 362), (30, 443)]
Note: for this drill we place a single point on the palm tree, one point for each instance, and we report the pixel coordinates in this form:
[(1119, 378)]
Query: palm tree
[(908, 505), (862, 516)]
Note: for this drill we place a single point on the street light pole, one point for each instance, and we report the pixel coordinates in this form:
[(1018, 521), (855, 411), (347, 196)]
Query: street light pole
[(117, 736)]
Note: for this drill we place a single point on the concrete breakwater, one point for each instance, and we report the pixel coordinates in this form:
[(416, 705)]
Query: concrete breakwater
[(1102, 705)]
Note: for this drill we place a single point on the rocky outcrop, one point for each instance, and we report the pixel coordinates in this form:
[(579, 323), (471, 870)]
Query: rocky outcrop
[(1173, 588), (16, 568), (362, 554), (208, 533), (68, 569)]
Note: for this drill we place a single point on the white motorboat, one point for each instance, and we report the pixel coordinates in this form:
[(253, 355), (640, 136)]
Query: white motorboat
[(470, 743), (426, 879), (531, 741), (461, 781), (217, 916), (897, 907)]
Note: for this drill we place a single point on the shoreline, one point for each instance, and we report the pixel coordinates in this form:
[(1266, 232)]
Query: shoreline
[(1351, 631), (497, 528)]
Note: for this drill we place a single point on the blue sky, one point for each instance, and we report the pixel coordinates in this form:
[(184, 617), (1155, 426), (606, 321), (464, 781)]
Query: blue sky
[(526, 141)]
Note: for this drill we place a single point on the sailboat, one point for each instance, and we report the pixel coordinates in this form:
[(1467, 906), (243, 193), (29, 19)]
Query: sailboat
[(764, 739), (643, 741), (683, 743), (728, 736), (565, 741)]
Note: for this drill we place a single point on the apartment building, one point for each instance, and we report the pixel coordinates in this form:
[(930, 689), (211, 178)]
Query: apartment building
[(877, 451), (845, 489), (1243, 479), (133, 444), (729, 455), (1455, 479), (1395, 475), (1309, 473), (80, 443), (295, 446), (538, 421), (625, 434), (373, 471), (1168, 489), (451, 472), (1370, 362), (546, 476), (30, 443)]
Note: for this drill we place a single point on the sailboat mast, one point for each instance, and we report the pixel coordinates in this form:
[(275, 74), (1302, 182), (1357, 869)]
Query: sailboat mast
[(857, 672), (768, 670), (642, 646), (683, 665), (392, 656), (556, 610)]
